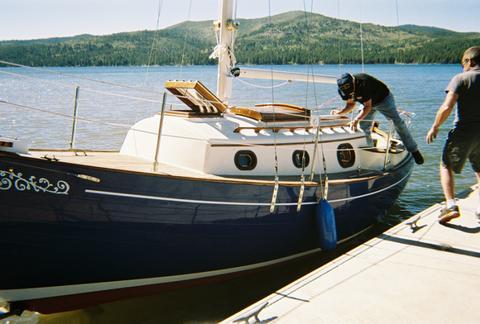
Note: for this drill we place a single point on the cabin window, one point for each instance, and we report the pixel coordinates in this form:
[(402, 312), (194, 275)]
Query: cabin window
[(245, 160), (297, 157), (6, 144), (345, 155)]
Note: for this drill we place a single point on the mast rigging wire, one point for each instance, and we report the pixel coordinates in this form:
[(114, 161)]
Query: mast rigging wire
[(400, 51), (338, 41), (83, 88), (151, 91), (127, 126), (185, 37), (278, 85), (322, 106), (361, 36), (155, 35), (309, 68), (275, 189)]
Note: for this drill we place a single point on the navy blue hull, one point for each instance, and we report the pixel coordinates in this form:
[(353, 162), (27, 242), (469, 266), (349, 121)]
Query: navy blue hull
[(136, 226)]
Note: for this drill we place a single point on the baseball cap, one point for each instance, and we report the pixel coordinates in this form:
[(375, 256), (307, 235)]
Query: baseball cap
[(345, 86)]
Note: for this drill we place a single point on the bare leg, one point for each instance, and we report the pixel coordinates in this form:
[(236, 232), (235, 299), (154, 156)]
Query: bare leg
[(448, 183)]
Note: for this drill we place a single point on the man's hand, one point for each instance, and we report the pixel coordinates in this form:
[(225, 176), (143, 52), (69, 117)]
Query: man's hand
[(354, 125), (335, 111), (431, 135)]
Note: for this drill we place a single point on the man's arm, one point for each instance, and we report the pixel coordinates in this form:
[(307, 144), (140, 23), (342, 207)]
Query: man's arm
[(442, 114), (367, 107), (350, 104)]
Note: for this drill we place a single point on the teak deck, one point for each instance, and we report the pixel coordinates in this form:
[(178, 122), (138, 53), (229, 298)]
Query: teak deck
[(116, 161)]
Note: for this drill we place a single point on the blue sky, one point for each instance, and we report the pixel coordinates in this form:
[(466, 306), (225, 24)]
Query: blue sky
[(29, 19)]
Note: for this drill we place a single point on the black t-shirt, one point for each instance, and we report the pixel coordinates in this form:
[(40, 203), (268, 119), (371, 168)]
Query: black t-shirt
[(367, 87)]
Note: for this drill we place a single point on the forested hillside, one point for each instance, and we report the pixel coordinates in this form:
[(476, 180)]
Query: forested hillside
[(292, 38)]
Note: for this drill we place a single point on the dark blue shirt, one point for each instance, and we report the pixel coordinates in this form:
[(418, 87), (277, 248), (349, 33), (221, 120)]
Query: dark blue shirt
[(467, 86)]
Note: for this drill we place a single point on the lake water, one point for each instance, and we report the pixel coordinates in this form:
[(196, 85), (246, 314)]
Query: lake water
[(417, 88)]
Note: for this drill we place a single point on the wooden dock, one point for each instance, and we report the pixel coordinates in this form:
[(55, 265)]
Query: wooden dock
[(417, 272)]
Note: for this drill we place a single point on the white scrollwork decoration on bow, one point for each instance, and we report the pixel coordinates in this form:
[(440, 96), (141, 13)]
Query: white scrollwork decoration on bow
[(10, 180)]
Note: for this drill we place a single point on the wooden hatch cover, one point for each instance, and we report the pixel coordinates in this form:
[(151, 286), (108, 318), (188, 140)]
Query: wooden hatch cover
[(196, 96)]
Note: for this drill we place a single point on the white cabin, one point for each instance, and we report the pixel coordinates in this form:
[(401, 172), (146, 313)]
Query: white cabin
[(213, 138)]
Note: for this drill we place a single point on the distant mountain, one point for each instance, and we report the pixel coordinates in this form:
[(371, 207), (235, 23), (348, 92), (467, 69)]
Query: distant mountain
[(292, 38), (426, 30)]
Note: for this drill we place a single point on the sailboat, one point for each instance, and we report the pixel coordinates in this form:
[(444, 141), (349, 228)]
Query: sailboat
[(198, 192)]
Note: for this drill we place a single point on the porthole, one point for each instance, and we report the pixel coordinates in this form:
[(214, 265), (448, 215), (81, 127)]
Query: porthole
[(345, 155), (297, 157), (245, 160)]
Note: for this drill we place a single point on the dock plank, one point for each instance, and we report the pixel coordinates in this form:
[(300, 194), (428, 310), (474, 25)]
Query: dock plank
[(416, 272)]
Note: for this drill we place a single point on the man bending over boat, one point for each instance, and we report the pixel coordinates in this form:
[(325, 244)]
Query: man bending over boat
[(373, 95), (463, 140)]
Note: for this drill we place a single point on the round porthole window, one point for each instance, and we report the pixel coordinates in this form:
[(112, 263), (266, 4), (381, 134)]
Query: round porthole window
[(297, 157), (245, 160), (345, 155)]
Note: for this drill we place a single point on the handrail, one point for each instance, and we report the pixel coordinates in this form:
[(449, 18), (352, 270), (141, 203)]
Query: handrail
[(160, 128), (283, 105), (387, 148), (74, 119), (276, 129)]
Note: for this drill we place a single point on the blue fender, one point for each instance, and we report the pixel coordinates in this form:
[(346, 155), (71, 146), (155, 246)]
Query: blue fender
[(327, 229)]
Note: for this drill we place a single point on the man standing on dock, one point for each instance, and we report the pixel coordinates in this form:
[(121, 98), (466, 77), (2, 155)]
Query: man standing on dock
[(463, 140), (374, 95)]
